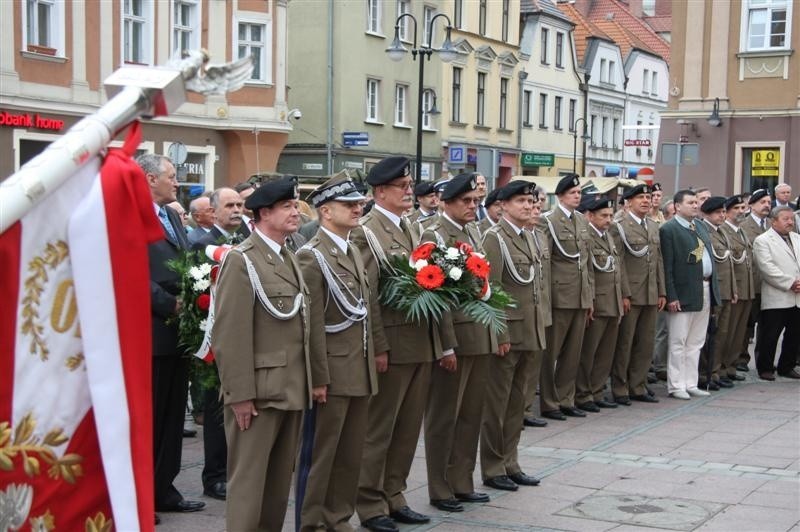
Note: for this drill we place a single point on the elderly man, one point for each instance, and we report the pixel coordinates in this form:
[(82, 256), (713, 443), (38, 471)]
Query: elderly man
[(228, 228), (203, 215), (692, 289), (170, 365), (783, 196), (266, 384), (777, 253)]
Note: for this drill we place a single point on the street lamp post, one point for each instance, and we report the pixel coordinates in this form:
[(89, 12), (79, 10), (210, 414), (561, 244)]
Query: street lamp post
[(397, 51), (585, 137)]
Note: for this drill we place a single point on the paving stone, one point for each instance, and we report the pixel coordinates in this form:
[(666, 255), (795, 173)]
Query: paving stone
[(690, 463), (717, 465), (655, 459), (691, 469), (749, 469), (783, 473)]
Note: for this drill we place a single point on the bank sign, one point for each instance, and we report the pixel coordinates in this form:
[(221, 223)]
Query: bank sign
[(538, 159), (30, 120)]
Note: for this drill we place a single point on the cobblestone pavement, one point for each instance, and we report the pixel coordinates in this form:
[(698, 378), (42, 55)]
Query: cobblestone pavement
[(728, 462)]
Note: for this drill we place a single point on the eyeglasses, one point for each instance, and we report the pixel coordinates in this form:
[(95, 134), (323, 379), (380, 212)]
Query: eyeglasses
[(470, 201), (402, 186)]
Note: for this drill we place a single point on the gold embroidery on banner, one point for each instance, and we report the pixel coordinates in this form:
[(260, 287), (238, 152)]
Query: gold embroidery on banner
[(54, 254), (26, 445), (99, 523), (75, 362), (43, 523), (65, 309)]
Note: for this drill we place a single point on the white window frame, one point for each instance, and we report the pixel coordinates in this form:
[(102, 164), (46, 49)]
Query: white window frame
[(572, 114), (603, 70), (503, 114), (375, 17), (604, 132), (542, 110), (427, 102), (260, 19), (401, 92), (428, 12), (558, 109), (372, 98), (403, 7), (560, 49), (654, 83), (646, 81), (56, 26), (755, 5), (456, 93), (612, 66), (480, 98), (527, 96), (210, 154), (544, 43), (148, 23), (192, 27)]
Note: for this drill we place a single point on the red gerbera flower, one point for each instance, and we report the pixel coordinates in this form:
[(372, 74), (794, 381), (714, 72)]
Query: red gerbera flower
[(203, 301), (477, 266), (423, 251), (430, 277)]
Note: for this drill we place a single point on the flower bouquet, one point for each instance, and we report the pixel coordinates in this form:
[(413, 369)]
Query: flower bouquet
[(437, 278)]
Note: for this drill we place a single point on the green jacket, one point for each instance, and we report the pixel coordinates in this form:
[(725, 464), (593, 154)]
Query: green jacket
[(683, 272)]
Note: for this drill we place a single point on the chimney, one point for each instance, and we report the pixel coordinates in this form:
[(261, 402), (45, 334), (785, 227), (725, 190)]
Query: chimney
[(663, 7), (635, 7), (583, 7)]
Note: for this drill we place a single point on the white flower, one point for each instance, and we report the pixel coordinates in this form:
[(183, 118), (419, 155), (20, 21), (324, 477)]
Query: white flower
[(455, 272), (420, 264), (205, 269), (203, 324), (452, 253), (201, 285), (195, 273)]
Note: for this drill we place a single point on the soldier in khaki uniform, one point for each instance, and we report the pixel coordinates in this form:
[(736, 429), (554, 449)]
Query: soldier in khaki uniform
[(404, 354), (743, 269), (342, 360), (493, 212), (572, 291), (713, 217), (455, 403), (597, 352), (753, 225), (265, 383), (515, 265), (428, 200), (638, 241)]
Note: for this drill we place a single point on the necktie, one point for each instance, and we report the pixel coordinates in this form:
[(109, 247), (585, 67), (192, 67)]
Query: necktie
[(162, 216), (691, 226), (763, 224), (644, 224)]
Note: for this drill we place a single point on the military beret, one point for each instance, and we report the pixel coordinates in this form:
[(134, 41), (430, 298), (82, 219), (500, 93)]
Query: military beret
[(459, 185), (757, 195), (656, 187), (600, 202), (388, 169), (337, 188), (515, 188), (567, 182), (424, 188), (361, 186), (491, 197), (586, 200), (713, 203), (272, 192), (635, 191), (438, 186), (733, 201)]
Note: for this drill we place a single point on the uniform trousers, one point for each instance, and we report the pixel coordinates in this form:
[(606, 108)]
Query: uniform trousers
[(393, 425), (721, 336), (501, 422), (662, 339), (533, 370), (737, 336), (772, 322), (687, 333), (260, 463), (332, 485), (597, 354), (170, 390), (752, 321), (634, 351), (562, 358), (452, 426)]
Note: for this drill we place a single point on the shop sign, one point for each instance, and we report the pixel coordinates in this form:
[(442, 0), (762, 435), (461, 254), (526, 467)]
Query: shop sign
[(30, 120), (765, 163), (637, 142), (538, 159)]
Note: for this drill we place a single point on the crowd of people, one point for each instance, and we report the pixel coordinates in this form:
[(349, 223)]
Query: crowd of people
[(317, 378)]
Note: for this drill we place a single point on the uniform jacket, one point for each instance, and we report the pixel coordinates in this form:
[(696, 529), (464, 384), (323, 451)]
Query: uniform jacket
[(742, 256), (752, 230), (724, 268), (406, 342), (471, 337), (484, 225), (780, 267), (645, 274), (683, 272), (608, 285), (260, 357), (340, 360), (543, 249), (525, 321), (571, 279)]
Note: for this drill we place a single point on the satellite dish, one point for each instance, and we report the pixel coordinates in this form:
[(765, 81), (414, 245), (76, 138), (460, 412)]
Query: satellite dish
[(177, 152)]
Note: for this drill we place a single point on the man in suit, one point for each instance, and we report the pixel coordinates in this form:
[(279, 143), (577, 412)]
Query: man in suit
[(170, 363), (638, 241), (742, 257), (515, 265), (572, 290), (482, 211), (493, 212), (203, 215), (600, 338), (754, 225), (261, 297), (783, 196), (342, 360), (777, 253), (692, 290), (455, 403), (428, 201), (404, 351), (228, 227)]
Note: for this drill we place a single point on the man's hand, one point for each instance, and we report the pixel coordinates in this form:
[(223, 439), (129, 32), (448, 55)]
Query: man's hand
[(796, 286), (662, 302), (589, 315), (320, 394), (382, 362), (626, 305), (674, 306), (734, 299), (502, 349), (448, 363), (244, 411)]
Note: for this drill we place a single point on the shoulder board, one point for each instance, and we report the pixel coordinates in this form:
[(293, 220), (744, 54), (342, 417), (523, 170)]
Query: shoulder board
[(548, 213), (244, 246)]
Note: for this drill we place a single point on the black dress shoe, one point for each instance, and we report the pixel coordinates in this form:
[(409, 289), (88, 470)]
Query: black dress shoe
[(661, 375), (447, 505), (791, 374), (623, 400), (182, 506), (725, 382), (501, 483), (571, 411), (554, 414), (531, 421), (766, 376), (408, 516), (651, 378), (602, 403), (737, 377), (475, 496), (189, 433), (589, 406), (524, 480), (158, 520), (217, 490), (380, 523), (644, 398), (742, 367)]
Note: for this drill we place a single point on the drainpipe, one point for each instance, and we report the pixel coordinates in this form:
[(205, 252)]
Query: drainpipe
[(522, 77), (584, 87), (624, 115), (329, 82)]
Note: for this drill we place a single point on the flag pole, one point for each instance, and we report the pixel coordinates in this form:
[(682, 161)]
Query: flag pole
[(136, 92)]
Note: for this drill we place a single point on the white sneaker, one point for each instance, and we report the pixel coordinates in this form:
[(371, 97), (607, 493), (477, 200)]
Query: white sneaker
[(680, 394), (697, 392)]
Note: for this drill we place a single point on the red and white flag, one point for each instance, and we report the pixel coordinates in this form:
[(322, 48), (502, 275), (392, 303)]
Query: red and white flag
[(75, 354)]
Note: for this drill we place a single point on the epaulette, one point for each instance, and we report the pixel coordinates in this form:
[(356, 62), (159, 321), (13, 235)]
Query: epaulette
[(548, 213), (244, 246)]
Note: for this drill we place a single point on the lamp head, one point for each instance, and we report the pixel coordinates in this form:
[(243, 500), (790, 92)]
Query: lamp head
[(448, 52), (396, 51)]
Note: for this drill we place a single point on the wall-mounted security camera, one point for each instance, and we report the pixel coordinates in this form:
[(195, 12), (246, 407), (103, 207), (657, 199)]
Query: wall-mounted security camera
[(296, 114)]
